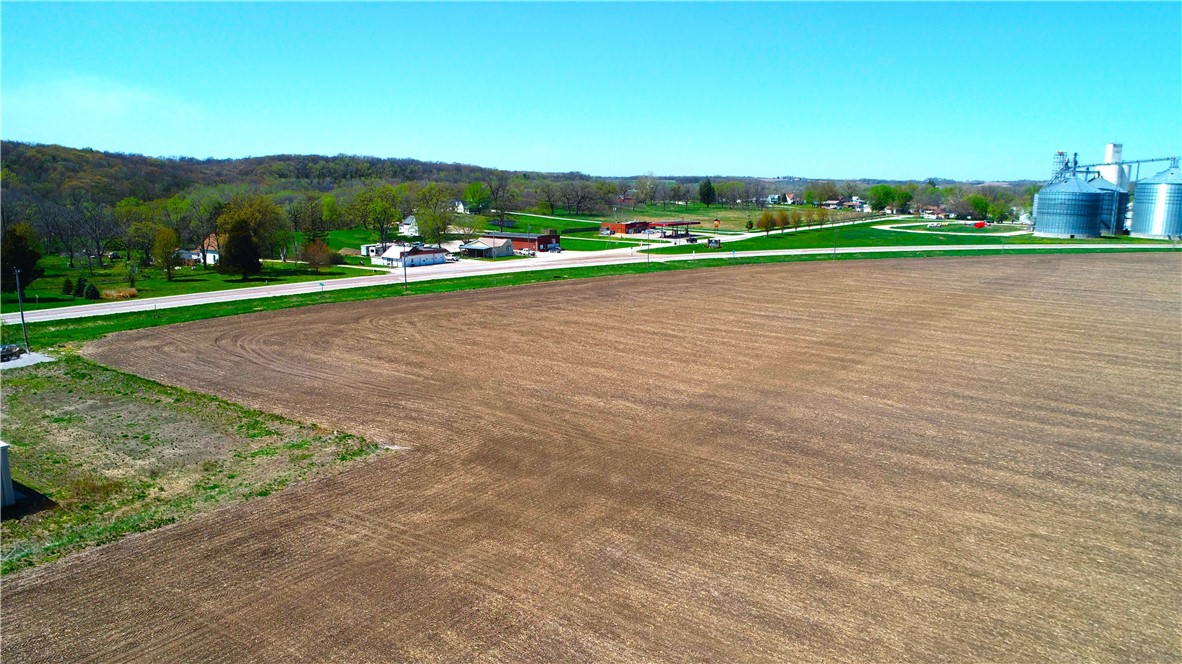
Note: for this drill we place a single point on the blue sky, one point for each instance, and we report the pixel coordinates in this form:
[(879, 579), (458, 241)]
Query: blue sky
[(833, 90)]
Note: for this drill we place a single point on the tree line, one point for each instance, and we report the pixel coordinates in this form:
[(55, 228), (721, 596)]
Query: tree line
[(83, 204)]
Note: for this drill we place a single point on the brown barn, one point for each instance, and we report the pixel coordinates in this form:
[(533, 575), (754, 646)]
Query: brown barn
[(535, 241), (625, 227)]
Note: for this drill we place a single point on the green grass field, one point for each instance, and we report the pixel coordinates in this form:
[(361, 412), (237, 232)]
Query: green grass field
[(594, 244), (865, 235), (729, 218), (46, 292)]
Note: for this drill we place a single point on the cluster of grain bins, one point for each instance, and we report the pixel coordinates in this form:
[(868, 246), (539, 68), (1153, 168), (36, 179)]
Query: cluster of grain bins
[(1074, 206)]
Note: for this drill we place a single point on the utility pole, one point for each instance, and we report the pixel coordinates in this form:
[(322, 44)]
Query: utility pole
[(20, 298)]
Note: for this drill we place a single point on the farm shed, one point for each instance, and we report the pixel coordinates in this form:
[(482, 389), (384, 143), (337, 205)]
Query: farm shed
[(535, 241), (488, 247)]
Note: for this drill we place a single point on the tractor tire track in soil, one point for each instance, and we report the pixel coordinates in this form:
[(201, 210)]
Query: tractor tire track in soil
[(933, 459)]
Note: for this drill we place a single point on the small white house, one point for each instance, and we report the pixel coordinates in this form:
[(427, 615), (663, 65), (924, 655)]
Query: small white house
[(409, 227), (459, 207), (411, 256), (773, 199)]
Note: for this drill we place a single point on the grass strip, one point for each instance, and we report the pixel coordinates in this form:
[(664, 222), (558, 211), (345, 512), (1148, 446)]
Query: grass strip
[(47, 334)]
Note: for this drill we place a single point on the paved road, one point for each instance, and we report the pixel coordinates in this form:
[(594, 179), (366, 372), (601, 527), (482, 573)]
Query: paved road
[(544, 261)]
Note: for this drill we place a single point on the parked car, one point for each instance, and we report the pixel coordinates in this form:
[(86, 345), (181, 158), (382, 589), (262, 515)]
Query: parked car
[(10, 352), (452, 258)]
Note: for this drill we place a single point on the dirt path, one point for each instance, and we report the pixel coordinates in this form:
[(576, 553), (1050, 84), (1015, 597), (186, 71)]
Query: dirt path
[(970, 459)]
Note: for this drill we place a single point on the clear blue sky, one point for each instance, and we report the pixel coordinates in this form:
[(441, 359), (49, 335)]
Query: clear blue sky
[(835, 90)]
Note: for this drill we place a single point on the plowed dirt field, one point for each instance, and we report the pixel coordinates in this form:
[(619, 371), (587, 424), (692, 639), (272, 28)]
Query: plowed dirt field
[(937, 459)]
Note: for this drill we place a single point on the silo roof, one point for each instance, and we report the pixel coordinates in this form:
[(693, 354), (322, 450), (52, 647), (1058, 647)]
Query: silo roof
[(1101, 183), (1070, 185), (1168, 176)]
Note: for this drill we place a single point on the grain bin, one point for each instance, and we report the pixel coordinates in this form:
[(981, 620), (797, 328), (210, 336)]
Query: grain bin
[(1068, 208), (1114, 205), (1157, 205)]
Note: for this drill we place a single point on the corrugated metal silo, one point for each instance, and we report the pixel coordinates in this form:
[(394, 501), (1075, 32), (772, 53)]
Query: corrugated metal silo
[(1114, 205), (1157, 205), (1068, 208)]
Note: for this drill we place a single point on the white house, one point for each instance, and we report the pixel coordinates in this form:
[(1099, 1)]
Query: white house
[(773, 199), (409, 227), (459, 206), (410, 256)]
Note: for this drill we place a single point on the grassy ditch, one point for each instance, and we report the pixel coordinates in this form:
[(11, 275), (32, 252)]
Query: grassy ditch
[(865, 235), (118, 454)]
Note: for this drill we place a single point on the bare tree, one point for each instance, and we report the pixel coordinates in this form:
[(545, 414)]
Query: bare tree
[(56, 221), (498, 191), (549, 193)]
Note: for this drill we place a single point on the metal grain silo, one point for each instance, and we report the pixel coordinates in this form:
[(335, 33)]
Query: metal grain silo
[(1114, 205), (1157, 205), (1068, 208)]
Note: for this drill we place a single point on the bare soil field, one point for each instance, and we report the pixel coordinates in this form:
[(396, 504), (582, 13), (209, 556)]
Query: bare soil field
[(969, 459)]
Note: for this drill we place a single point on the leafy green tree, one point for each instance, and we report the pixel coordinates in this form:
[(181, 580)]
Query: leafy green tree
[(902, 197), (19, 252), (881, 196), (80, 287), (67, 286), (706, 193), (164, 247), (240, 252), (999, 211), (476, 195), (810, 196), (260, 218), (92, 292), (330, 212), (434, 212), (979, 204)]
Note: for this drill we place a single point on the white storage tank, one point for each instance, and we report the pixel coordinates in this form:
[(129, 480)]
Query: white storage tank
[(1157, 205)]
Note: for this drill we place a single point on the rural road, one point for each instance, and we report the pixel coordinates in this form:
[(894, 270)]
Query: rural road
[(473, 268)]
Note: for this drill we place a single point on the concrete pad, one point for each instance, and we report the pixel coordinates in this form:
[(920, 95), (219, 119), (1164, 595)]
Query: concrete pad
[(26, 360)]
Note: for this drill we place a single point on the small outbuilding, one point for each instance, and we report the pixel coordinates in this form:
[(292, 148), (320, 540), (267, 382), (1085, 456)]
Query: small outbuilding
[(488, 247)]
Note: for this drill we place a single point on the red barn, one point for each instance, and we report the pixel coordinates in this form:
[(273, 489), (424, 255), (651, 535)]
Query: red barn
[(625, 227)]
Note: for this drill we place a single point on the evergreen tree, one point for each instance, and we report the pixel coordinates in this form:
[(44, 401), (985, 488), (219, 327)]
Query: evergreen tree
[(240, 254), (706, 193), (19, 251)]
